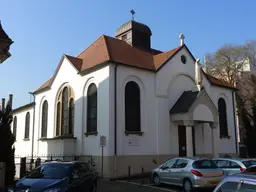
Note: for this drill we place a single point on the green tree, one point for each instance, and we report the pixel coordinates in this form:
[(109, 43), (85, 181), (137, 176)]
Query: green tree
[(7, 140)]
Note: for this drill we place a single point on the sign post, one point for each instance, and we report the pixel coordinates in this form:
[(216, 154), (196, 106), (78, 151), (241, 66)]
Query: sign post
[(102, 145)]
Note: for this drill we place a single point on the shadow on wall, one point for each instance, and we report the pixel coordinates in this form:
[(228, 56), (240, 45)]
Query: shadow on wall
[(85, 143)]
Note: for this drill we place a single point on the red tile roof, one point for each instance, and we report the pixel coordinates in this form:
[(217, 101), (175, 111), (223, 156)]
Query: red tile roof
[(114, 50)]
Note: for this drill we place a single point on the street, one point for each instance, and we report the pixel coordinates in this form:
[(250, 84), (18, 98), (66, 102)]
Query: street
[(124, 186)]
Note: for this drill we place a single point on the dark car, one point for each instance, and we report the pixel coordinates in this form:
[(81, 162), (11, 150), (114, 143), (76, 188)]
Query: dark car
[(241, 182), (58, 177)]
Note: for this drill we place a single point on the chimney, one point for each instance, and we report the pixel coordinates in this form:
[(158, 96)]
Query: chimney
[(182, 37), (10, 100), (198, 78)]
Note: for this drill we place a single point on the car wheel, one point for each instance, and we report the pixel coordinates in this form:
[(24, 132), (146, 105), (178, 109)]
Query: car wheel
[(187, 185), (156, 180)]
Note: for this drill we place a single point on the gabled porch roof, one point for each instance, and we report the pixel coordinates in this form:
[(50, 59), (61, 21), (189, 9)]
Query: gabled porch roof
[(194, 106)]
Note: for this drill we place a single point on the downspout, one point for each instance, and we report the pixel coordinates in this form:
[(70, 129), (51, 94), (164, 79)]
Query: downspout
[(235, 123), (33, 130), (115, 117)]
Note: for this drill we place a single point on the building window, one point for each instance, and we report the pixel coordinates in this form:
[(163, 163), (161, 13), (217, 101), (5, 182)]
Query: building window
[(14, 130), (92, 108), (132, 107), (71, 116), (65, 121), (44, 119), (27, 124), (223, 117)]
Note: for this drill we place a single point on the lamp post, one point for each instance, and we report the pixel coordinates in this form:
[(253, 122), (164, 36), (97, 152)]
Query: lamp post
[(33, 128)]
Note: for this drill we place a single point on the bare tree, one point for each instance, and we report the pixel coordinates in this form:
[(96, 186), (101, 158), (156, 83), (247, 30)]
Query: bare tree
[(236, 65)]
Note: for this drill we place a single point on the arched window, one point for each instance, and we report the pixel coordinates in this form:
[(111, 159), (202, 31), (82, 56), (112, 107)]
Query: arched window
[(132, 107), (44, 119), (14, 130), (27, 125), (92, 108), (223, 117), (63, 107), (71, 116)]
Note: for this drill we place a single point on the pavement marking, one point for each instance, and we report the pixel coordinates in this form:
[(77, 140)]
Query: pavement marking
[(149, 186)]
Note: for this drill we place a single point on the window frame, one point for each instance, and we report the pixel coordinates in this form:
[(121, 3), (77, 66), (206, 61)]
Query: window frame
[(44, 120), (92, 109), (223, 117), (132, 104), (27, 126), (62, 124)]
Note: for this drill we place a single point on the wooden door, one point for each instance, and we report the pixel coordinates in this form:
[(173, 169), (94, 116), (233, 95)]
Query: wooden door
[(182, 140)]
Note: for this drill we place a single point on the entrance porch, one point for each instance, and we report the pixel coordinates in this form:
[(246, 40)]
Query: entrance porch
[(194, 112)]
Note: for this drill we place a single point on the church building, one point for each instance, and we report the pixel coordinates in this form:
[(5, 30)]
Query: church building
[(150, 105)]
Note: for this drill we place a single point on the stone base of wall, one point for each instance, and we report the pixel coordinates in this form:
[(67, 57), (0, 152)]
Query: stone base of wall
[(123, 166)]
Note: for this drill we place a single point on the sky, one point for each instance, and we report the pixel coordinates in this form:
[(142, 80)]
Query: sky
[(43, 31)]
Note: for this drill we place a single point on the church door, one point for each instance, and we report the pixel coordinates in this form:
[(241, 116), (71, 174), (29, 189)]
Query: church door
[(182, 141)]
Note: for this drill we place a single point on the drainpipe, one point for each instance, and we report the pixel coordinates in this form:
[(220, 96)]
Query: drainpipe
[(115, 117), (235, 123), (33, 128)]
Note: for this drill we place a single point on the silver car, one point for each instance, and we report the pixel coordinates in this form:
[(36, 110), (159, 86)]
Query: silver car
[(188, 172), (232, 166), (237, 183)]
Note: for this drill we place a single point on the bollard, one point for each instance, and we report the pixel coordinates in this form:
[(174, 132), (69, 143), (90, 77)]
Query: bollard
[(129, 172), (142, 176)]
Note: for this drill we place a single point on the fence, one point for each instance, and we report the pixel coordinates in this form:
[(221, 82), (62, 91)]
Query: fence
[(24, 164)]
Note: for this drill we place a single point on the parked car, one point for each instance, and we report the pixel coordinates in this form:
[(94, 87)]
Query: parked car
[(238, 183), (234, 165), (58, 177), (194, 172)]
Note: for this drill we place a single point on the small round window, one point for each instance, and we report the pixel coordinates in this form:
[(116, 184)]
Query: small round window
[(183, 59)]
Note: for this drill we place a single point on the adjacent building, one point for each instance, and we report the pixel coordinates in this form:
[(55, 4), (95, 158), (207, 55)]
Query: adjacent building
[(149, 104)]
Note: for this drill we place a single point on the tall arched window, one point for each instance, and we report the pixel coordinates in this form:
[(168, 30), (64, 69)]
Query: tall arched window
[(44, 119), (64, 108), (14, 130), (223, 117), (92, 108), (71, 116), (27, 125), (132, 107)]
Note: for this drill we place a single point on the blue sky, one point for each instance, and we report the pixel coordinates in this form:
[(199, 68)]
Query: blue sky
[(44, 30)]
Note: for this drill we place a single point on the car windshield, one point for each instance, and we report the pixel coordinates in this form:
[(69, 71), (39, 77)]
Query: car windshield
[(204, 164), (249, 163), (50, 171)]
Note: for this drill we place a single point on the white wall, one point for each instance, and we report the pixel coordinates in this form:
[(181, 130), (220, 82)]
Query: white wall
[(23, 146), (146, 82), (67, 75)]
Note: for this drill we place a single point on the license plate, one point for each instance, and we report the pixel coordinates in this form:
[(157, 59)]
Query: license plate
[(215, 182)]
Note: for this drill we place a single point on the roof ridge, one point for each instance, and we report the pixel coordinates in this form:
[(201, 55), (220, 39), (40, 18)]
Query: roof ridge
[(107, 47), (90, 45)]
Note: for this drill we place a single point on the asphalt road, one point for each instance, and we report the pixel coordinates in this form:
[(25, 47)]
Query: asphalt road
[(131, 186)]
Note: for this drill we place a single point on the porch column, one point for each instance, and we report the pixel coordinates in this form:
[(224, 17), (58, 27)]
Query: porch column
[(215, 139), (189, 140)]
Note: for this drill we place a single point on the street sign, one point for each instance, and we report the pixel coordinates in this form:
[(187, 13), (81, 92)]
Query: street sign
[(102, 141)]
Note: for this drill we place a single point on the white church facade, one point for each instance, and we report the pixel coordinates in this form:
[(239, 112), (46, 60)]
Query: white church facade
[(150, 105)]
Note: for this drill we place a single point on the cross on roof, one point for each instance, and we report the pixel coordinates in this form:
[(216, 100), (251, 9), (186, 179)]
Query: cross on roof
[(132, 12)]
